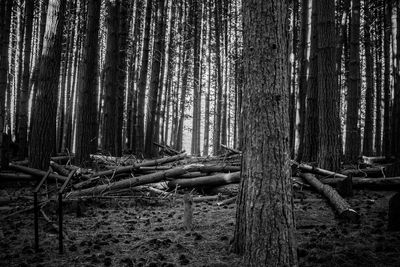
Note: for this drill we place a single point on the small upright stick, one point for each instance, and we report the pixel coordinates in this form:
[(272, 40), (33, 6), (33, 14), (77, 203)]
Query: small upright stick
[(188, 212)]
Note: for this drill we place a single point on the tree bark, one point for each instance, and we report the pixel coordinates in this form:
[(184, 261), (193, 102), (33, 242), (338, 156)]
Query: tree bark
[(44, 120), (264, 230), (86, 129)]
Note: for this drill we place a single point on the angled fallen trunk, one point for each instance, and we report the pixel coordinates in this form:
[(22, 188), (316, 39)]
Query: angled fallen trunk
[(59, 169), (143, 164), (315, 170), (135, 181), (16, 177), (341, 206), (390, 183), (368, 172), (213, 180), (37, 173)]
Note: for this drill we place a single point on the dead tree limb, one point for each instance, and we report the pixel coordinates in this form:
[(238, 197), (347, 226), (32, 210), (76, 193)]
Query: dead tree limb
[(36, 172), (232, 150), (13, 177), (213, 180), (135, 181), (341, 206), (315, 170)]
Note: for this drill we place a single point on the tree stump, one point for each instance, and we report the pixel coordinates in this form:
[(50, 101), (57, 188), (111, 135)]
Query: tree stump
[(345, 187), (394, 213)]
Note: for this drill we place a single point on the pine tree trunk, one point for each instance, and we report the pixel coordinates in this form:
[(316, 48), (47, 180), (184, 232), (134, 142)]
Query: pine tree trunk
[(379, 67), (353, 138), (311, 132), (23, 107), (44, 120), (369, 95), (158, 48), (143, 80), (86, 129), (386, 80), (396, 100), (5, 21), (329, 152), (264, 230), (110, 78)]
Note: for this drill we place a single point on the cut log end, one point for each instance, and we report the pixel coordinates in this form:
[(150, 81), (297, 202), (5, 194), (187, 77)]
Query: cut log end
[(350, 216)]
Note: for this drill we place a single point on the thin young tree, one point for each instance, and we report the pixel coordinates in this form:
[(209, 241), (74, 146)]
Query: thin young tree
[(264, 231), (44, 120)]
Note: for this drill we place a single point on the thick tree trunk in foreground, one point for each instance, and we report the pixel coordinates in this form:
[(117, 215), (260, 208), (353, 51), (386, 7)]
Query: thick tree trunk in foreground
[(44, 120), (264, 230), (86, 128)]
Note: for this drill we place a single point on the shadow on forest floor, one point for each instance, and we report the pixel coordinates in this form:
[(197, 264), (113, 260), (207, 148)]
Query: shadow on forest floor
[(131, 233)]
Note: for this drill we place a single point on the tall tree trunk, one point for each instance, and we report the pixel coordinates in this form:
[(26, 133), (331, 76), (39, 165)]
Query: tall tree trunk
[(264, 230), (311, 132), (23, 106), (329, 152), (369, 72), (5, 21), (353, 138), (143, 80), (378, 108), (110, 78), (303, 70), (396, 99), (386, 80), (158, 48), (44, 120), (218, 121), (86, 128)]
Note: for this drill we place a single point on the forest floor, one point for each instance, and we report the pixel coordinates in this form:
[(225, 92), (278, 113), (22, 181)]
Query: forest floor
[(134, 232)]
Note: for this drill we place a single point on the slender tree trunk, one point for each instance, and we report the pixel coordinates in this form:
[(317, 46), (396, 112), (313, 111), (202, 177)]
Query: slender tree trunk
[(110, 78), (311, 132), (386, 81), (369, 72), (264, 230), (379, 67), (5, 21), (353, 138), (158, 48), (143, 80), (86, 129), (396, 99), (44, 119), (23, 106)]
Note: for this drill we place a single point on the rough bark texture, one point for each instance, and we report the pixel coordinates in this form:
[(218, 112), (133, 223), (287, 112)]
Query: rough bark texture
[(143, 80), (264, 230), (5, 20), (369, 95), (110, 78), (386, 82), (44, 120), (23, 107), (378, 108), (310, 145), (329, 152), (353, 139), (396, 100), (86, 128)]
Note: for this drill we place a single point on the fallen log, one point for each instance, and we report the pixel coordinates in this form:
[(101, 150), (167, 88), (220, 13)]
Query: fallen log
[(135, 181), (232, 150), (341, 206), (167, 149), (13, 177), (315, 170), (59, 169), (36, 172), (213, 180), (143, 164), (390, 183), (367, 172)]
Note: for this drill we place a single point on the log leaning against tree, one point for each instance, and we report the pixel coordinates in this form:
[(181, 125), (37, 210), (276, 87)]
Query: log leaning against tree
[(341, 206)]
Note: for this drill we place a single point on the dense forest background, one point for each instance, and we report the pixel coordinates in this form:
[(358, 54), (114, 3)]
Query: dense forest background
[(117, 76)]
